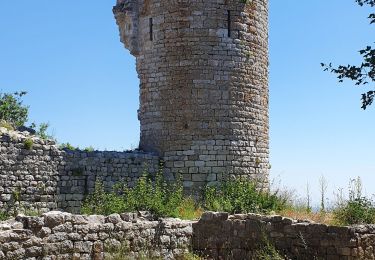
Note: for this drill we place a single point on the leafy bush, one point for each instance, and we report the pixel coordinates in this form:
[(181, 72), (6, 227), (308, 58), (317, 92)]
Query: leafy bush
[(355, 211), (241, 196), (358, 209), (159, 197), (89, 149), (67, 146), (12, 110), (41, 130)]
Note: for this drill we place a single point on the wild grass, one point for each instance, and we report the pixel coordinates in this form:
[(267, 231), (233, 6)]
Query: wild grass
[(242, 196), (166, 199), (161, 198), (356, 208), (267, 251), (303, 214), (4, 215), (6, 125)]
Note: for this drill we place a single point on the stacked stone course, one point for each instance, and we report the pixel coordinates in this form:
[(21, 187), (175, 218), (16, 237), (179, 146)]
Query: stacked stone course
[(28, 177), (238, 237), (43, 177), (203, 69), (57, 235)]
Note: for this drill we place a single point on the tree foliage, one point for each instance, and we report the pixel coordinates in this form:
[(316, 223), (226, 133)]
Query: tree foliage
[(12, 110), (364, 73)]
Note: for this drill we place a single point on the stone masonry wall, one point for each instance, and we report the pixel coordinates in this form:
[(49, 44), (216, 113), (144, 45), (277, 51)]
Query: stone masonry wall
[(45, 177), (237, 237), (57, 235), (203, 69), (83, 169), (28, 177)]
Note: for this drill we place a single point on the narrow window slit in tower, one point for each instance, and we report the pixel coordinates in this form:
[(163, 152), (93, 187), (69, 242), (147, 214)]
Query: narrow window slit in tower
[(229, 24), (151, 29)]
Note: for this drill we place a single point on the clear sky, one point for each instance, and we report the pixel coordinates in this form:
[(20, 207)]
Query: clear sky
[(81, 80)]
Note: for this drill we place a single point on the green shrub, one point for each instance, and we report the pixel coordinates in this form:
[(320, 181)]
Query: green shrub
[(355, 211), (358, 209), (241, 196), (41, 130), (159, 197), (12, 110), (67, 146), (89, 149), (28, 144), (164, 199)]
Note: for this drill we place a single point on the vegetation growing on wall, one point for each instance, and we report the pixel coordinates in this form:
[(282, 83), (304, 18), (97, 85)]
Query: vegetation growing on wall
[(165, 199), (28, 144), (161, 198)]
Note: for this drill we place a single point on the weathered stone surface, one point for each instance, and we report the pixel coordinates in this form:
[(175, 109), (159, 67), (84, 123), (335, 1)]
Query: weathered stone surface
[(46, 178), (89, 237), (216, 235), (203, 69), (240, 234)]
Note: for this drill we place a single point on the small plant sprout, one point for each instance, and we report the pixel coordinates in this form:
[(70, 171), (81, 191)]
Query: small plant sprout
[(28, 144)]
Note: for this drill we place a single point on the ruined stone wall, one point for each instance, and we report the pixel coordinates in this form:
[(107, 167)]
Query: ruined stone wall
[(238, 237), (43, 177), (203, 69), (57, 235), (28, 177), (214, 236)]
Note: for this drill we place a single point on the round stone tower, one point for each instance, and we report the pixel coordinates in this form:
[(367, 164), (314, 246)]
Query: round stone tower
[(203, 70)]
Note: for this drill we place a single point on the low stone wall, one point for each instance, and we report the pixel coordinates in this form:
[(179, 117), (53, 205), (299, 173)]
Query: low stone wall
[(237, 237), (29, 176), (57, 235), (36, 175)]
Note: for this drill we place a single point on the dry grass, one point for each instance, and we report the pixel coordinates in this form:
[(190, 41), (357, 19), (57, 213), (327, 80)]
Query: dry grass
[(318, 217), (189, 210)]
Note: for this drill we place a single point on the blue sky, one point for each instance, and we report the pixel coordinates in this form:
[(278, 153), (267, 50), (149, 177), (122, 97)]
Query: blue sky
[(81, 80)]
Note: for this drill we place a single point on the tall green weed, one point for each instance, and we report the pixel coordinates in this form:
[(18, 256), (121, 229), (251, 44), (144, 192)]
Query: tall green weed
[(241, 196), (357, 209), (161, 198)]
